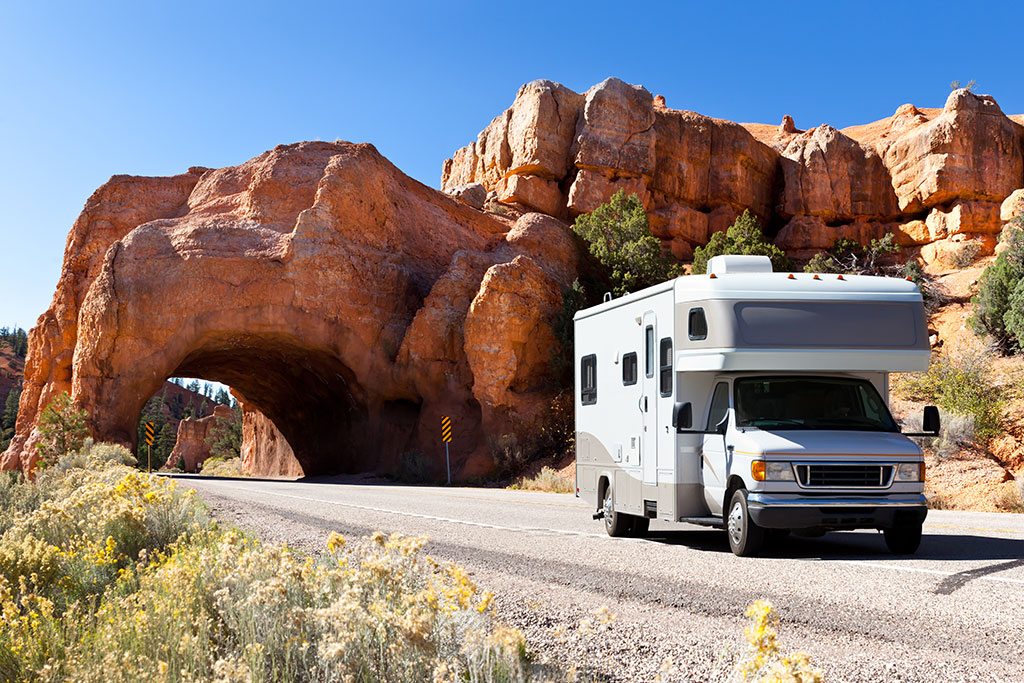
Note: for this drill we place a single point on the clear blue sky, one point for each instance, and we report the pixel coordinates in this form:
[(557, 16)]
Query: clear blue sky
[(88, 90)]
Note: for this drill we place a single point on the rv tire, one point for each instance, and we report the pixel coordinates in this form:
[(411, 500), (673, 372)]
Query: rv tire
[(640, 526), (745, 537), (616, 524), (904, 539)]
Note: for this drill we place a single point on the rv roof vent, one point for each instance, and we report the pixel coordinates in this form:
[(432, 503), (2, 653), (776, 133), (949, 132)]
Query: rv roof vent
[(732, 263)]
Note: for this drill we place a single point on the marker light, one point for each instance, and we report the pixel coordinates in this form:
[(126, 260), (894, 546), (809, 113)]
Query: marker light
[(791, 277), (816, 277), (757, 470), (841, 277), (712, 276)]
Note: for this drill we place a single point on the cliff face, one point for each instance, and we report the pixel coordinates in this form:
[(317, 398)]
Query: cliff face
[(191, 449), (933, 177), (348, 303)]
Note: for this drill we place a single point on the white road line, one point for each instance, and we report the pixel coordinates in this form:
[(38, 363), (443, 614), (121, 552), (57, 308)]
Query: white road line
[(587, 534)]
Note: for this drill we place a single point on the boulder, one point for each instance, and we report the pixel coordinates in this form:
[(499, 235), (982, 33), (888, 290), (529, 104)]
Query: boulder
[(969, 151), (963, 217), (616, 132), (827, 174), (1012, 207), (473, 194)]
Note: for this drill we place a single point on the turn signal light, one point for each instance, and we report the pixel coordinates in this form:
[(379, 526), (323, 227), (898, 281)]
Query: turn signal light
[(757, 470)]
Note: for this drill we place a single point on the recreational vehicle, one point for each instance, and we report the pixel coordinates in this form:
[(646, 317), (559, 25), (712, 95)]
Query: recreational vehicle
[(752, 401)]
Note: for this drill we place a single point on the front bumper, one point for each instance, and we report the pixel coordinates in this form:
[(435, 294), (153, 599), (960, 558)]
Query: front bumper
[(780, 511)]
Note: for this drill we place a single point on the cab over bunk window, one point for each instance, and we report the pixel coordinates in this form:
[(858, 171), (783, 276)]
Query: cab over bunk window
[(629, 368), (698, 325), (665, 367), (588, 380)]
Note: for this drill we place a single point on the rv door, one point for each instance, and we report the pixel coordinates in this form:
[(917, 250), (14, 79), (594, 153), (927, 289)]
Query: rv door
[(649, 402)]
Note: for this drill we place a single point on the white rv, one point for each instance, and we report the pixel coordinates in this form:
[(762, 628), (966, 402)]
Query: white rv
[(752, 401)]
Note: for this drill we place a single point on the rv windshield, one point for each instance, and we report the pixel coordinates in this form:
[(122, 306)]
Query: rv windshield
[(777, 403)]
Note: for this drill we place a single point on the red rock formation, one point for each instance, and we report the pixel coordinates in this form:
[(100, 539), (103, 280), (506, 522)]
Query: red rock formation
[(192, 449), (926, 175), (326, 286)]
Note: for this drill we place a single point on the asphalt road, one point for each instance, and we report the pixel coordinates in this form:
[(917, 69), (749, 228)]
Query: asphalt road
[(954, 611)]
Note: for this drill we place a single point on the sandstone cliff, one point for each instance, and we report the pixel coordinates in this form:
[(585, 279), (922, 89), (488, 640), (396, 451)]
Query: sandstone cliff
[(191, 448), (933, 177), (351, 306)]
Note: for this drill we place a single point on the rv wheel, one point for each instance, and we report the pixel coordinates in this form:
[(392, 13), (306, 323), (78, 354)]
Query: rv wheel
[(615, 523), (903, 540), (745, 537), (640, 526)]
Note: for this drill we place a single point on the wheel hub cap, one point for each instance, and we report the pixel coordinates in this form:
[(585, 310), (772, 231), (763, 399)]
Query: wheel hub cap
[(736, 524)]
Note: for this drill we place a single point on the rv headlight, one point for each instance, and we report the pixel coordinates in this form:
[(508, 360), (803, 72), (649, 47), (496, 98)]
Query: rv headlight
[(771, 471), (910, 471), (779, 471)]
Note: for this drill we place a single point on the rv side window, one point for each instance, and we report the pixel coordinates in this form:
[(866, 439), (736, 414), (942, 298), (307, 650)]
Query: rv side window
[(719, 406), (649, 358), (588, 380), (698, 324), (629, 365), (665, 367)]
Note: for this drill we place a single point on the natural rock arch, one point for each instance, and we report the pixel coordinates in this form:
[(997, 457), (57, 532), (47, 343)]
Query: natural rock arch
[(337, 295)]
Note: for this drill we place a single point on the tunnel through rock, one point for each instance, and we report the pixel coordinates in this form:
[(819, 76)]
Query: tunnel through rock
[(313, 400)]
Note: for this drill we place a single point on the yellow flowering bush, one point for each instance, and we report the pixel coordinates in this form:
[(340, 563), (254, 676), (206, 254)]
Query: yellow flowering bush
[(763, 663)]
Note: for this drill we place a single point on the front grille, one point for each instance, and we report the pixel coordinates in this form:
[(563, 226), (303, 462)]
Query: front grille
[(856, 476)]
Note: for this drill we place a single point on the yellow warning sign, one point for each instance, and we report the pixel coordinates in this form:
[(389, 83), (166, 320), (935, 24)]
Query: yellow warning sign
[(446, 429), (149, 433)]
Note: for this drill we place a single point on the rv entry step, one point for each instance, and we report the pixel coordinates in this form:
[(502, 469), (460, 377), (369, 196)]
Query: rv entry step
[(704, 521)]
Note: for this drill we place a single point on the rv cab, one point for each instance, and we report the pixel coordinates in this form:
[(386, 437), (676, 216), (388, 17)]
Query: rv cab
[(752, 401)]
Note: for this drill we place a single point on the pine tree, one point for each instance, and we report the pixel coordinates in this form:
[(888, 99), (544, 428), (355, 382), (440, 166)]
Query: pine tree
[(165, 440), (10, 414), (225, 439), (62, 428)]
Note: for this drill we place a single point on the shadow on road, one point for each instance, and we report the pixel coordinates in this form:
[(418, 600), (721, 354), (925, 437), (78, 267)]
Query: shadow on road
[(860, 545)]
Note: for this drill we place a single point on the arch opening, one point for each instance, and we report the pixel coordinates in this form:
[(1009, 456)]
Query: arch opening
[(331, 424)]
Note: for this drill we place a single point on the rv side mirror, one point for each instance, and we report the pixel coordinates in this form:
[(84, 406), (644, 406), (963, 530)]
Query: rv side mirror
[(930, 423), (682, 416), (723, 426)]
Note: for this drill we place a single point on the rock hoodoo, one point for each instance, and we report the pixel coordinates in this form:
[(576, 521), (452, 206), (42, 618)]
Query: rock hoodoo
[(926, 175), (333, 292)]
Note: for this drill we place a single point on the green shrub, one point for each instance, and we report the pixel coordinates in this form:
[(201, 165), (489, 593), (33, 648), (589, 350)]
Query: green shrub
[(547, 479), (960, 383), (573, 299), (743, 237), (618, 235), (999, 303)]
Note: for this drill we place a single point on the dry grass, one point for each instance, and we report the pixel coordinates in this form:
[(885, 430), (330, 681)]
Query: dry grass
[(221, 467), (548, 479)]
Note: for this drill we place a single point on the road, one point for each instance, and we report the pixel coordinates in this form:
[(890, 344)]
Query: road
[(954, 611)]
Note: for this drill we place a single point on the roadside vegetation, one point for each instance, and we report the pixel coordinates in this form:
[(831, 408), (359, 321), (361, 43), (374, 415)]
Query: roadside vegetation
[(548, 479), (999, 305), (111, 574)]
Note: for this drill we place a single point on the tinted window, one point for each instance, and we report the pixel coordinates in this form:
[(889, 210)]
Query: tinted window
[(830, 324), (629, 365), (649, 342), (588, 380), (840, 403), (698, 324), (665, 367), (719, 405)]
